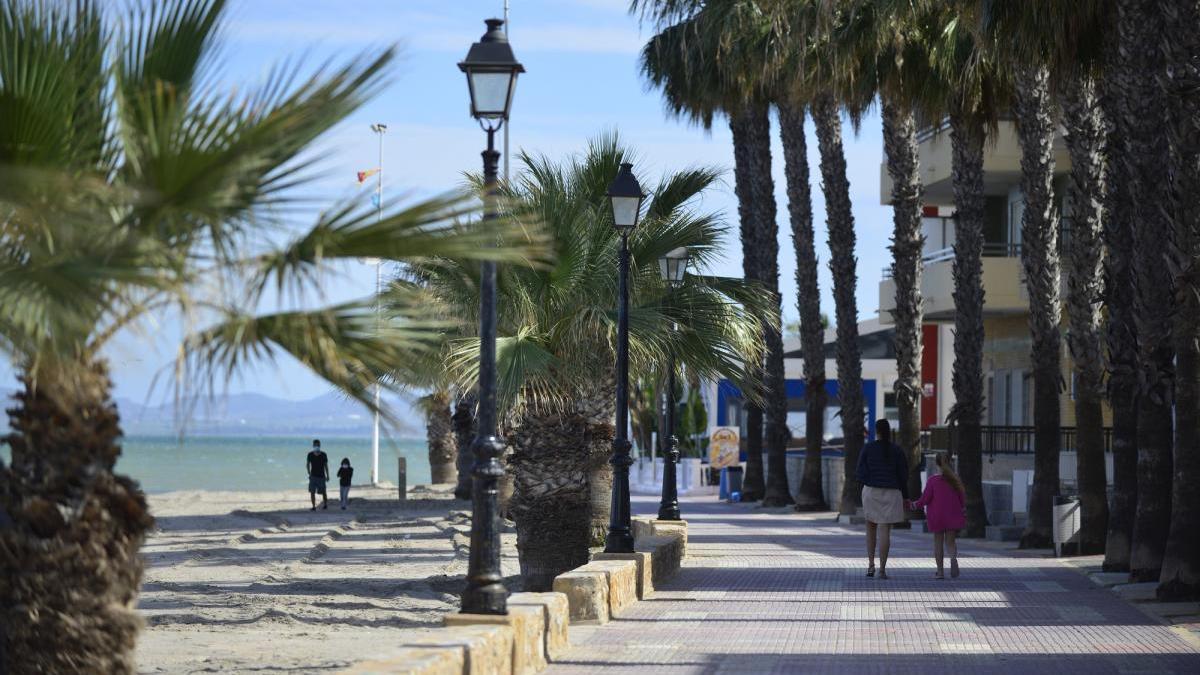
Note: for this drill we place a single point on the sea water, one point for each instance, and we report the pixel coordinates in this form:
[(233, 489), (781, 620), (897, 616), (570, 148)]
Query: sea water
[(167, 463)]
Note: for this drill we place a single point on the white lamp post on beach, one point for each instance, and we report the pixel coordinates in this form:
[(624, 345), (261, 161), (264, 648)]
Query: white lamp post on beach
[(379, 129)]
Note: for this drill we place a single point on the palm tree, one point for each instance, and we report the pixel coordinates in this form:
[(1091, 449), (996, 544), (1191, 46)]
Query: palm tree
[(130, 187), (1121, 328), (842, 262), (812, 331), (1036, 127), (712, 58), (1051, 45), (464, 436), (440, 438), (555, 352), (1180, 578), (1086, 129), (968, 86), (879, 44), (1144, 152)]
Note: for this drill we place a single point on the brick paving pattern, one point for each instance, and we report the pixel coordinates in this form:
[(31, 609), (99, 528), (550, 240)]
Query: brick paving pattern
[(782, 592)]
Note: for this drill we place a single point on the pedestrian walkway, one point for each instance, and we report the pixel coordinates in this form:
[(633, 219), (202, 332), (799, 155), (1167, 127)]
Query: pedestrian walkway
[(782, 592)]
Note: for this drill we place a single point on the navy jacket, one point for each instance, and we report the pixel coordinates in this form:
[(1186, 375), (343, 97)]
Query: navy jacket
[(883, 466)]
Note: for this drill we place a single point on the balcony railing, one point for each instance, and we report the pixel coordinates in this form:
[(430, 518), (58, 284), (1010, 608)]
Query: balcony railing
[(1005, 440), (990, 250)]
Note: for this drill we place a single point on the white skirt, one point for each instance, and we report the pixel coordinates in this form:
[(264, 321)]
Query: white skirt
[(882, 506)]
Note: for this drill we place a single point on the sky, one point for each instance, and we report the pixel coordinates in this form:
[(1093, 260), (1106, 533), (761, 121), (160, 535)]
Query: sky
[(582, 79)]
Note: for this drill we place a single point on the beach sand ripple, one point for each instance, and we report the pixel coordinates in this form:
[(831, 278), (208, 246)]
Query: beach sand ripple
[(254, 581)]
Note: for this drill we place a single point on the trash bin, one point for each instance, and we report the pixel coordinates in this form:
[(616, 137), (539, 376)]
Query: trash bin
[(1066, 523), (733, 480)]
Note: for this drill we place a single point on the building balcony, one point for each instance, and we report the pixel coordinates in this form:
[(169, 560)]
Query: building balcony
[(1004, 291), (1001, 163)]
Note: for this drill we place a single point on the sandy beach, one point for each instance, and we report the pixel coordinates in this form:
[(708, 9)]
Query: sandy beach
[(255, 582)]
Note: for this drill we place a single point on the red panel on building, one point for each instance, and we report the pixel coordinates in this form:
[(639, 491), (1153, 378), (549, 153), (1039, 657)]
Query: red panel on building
[(929, 375)]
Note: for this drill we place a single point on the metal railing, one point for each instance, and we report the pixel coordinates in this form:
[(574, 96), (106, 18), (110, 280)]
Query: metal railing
[(1005, 440), (990, 250)]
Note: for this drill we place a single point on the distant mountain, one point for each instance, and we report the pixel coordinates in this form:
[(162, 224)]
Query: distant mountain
[(257, 414)]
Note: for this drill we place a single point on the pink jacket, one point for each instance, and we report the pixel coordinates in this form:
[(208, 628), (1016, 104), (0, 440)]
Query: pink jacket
[(943, 505)]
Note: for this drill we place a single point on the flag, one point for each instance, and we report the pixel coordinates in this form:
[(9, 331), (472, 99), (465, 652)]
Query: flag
[(375, 200), (364, 175)]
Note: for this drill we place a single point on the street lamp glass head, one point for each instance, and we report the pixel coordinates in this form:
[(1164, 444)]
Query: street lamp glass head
[(491, 71), (673, 265), (626, 196)]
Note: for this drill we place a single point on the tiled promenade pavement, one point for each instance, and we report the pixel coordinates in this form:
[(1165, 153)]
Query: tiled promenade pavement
[(783, 592)]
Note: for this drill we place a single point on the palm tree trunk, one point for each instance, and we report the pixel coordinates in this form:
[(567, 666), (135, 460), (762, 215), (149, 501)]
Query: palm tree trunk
[(812, 333), (1085, 126), (1180, 578), (1145, 153), (1036, 128), (555, 455), (845, 281), (70, 529), (464, 436), (439, 435), (751, 129), (900, 148), (967, 136), (1120, 330)]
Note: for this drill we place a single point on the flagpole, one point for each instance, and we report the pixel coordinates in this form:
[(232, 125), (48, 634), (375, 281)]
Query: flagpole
[(379, 129), (508, 124)]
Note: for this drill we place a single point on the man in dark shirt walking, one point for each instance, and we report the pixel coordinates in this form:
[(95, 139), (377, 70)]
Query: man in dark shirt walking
[(318, 473)]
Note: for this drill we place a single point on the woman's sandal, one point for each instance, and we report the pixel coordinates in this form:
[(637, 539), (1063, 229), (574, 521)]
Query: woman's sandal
[(954, 568), (939, 575), (871, 571), (882, 573)]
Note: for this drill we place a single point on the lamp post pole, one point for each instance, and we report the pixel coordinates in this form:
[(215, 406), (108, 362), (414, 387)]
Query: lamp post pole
[(668, 508), (485, 593), (625, 196), (491, 71), (620, 532), (673, 266)]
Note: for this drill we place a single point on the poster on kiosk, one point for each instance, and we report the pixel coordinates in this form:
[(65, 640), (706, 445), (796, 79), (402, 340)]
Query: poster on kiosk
[(724, 447)]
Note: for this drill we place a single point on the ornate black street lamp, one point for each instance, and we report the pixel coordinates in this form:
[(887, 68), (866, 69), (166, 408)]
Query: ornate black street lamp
[(672, 266), (626, 196), (492, 73)]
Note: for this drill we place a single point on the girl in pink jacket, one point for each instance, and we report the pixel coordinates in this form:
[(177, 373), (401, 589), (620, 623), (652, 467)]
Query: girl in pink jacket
[(943, 501)]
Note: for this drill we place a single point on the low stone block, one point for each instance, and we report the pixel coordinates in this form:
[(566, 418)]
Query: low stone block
[(643, 526), (665, 556), (587, 595), (645, 569), (488, 649), (557, 617), (673, 528), (622, 582), (415, 661), (528, 625)]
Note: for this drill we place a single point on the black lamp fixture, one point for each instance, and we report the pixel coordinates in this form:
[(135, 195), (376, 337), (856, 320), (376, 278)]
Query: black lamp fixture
[(672, 266), (492, 73), (626, 197)]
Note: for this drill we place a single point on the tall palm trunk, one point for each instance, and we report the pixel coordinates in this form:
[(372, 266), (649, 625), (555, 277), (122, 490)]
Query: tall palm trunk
[(751, 129), (967, 136), (1180, 578), (1085, 126), (557, 464), (900, 148), (1120, 330), (439, 436), (70, 531), (843, 264), (808, 299), (1145, 153), (1043, 276), (464, 436)]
